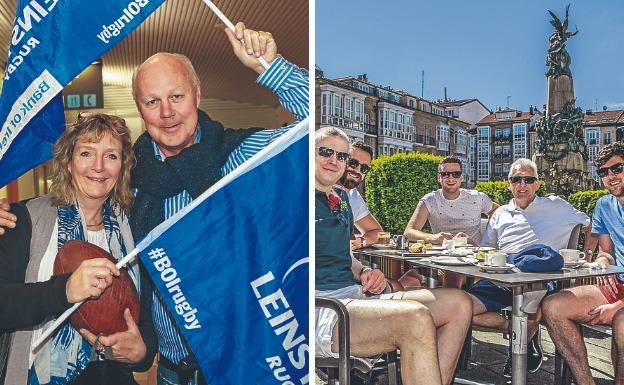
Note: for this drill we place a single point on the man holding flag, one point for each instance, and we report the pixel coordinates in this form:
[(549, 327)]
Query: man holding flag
[(184, 152)]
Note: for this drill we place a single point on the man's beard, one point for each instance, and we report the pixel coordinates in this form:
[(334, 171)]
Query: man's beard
[(348, 183)]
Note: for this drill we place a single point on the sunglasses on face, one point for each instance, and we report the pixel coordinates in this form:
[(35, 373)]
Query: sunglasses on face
[(327, 152), (526, 179), (616, 169), (354, 164), (446, 174)]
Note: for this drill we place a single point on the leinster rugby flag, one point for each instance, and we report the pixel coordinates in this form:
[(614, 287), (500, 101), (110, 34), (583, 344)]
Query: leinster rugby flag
[(232, 268), (51, 42)]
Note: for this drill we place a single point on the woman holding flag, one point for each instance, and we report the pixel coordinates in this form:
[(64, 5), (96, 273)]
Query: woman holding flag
[(89, 201)]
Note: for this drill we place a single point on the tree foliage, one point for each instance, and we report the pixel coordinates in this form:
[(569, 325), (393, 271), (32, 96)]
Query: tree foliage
[(395, 184)]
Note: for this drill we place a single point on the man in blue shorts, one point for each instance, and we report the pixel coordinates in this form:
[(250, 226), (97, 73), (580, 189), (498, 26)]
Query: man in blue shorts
[(601, 303), (526, 220)]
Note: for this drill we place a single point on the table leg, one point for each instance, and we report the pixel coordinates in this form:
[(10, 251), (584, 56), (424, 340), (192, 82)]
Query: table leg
[(519, 339), (432, 283)]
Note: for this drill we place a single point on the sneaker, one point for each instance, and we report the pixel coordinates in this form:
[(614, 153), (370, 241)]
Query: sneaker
[(534, 353)]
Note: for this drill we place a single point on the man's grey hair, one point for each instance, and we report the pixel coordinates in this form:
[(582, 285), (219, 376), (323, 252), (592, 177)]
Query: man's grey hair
[(331, 131), (181, 58), (523, 162)]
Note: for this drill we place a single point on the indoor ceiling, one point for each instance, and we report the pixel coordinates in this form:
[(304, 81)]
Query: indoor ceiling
[(190, 28)]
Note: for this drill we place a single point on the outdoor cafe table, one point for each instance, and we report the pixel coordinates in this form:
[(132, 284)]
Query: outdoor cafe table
[(521, 283)]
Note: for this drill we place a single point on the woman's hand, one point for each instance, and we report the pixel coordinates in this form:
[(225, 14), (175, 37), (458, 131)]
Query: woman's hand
[(90, 279)]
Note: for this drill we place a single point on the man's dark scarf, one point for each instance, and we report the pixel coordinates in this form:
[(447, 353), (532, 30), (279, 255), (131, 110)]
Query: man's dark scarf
[(194, 169)]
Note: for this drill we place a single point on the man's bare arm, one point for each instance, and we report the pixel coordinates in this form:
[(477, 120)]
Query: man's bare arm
[(413, 230), (370, 228)]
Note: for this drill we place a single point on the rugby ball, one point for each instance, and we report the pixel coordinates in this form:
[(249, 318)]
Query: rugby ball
[(103, 314)]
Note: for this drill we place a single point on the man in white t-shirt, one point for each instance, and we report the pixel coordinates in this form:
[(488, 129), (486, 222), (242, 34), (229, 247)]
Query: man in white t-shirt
[(358, 165), (450, 210)]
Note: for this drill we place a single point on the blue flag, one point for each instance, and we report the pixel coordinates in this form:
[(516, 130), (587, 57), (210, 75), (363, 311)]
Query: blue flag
[(50, 44), (232, 268)]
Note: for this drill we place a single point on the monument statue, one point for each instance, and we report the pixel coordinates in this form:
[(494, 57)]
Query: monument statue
[(560, 151), (558, 60)]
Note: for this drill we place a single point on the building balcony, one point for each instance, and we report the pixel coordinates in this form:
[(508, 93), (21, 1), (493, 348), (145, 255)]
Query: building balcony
[(338, 121), (501, 138)]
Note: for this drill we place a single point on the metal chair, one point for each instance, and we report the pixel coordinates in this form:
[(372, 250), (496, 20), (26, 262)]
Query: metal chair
[(340, 368)]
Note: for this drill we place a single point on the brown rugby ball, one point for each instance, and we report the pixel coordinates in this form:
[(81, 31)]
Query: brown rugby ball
[(103, 314)]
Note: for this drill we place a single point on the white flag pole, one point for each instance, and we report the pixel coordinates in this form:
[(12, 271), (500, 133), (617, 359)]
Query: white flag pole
[(229, 24), (122, 263)]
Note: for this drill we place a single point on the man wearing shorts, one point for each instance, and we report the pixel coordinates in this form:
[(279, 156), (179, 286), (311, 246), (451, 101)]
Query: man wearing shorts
[(601, 303), (428, 326)]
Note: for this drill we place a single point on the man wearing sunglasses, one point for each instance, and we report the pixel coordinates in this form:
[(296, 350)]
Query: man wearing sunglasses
[(601, 303), (450, 210), (526, 220), (358, 164), (417, 322)]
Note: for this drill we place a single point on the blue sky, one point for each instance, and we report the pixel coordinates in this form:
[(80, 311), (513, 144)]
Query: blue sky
[(484, 49)]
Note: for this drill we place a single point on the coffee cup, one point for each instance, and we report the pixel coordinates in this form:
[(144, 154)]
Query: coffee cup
[(460, 241), (448, 244), (497, 259), (384, 238), (571, 255)]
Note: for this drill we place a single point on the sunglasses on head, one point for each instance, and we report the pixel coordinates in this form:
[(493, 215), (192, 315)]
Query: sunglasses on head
[(526, 179), (327, 152), (354, 163), (616, 169), (454, 174)]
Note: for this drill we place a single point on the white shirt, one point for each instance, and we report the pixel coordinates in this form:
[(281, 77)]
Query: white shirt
[(358, 207), (547, 220), (462, 214)]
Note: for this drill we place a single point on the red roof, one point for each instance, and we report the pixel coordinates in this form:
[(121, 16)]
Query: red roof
[(491, 118), (602, 117)]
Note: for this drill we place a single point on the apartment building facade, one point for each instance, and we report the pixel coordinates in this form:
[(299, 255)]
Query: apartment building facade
[(601, 128), (501, 138), (391, 121)]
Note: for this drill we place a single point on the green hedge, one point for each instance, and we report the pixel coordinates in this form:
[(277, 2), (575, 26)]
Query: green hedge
[(498, 191), (585, 201), (395, 184)]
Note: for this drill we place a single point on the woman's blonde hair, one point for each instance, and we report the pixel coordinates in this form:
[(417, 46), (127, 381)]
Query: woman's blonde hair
[(92, 127)]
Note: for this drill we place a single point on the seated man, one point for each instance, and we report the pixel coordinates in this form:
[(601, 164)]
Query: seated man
[(358, 164), (429, 326), (526, 220), (602, 303), (450, 210)]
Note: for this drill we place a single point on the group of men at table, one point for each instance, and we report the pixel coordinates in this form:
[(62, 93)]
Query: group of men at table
[(429, 325)]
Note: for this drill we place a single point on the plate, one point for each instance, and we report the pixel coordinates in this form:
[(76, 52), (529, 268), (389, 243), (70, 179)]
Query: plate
[(574, 265), (428, 253), (463, 252), (484, 248), (495, 269), (379, 246), (453, 261)]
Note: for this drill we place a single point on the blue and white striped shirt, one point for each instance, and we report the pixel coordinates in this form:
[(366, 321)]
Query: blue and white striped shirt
[(290, 83)]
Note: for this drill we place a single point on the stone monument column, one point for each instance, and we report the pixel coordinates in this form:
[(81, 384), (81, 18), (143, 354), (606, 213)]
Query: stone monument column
[(560, 151)]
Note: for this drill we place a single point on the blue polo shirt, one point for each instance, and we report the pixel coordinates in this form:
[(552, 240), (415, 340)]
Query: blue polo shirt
[(608, 218), (333, 230)]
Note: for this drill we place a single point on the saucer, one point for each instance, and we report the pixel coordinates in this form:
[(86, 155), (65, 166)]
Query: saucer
[(574, 265), (453, 261), (495, 269)]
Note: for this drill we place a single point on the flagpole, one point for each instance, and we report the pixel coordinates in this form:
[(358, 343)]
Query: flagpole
[(229, 24), (121, 263)]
